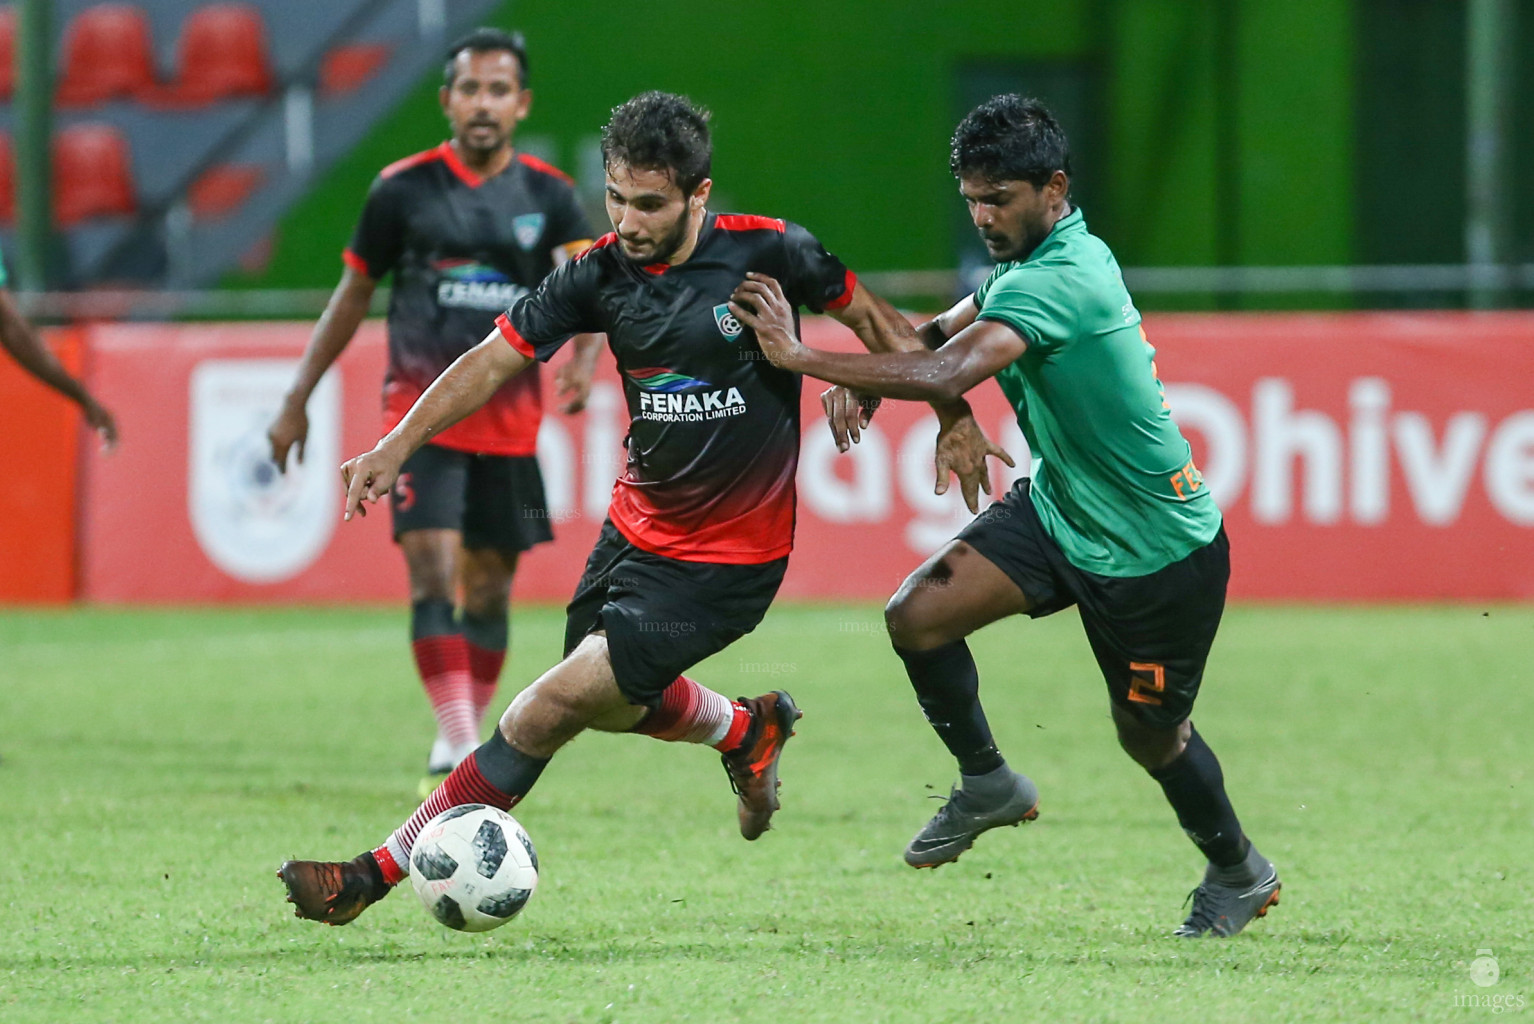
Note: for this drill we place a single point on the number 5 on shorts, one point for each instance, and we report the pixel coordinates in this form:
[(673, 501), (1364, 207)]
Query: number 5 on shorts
[(1147, 680)]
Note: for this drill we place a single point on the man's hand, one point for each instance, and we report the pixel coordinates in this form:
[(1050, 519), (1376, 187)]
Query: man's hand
[(289, 429), (847, 413), (101, 421), (962, 448), (572, 383), (760, 304), (369, 477)]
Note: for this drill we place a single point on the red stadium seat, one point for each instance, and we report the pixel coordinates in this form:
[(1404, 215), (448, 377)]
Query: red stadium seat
[(7, 53), (7, 181), (107, 55), (347, 68), (221, 55), (92, 174), (221, 189)]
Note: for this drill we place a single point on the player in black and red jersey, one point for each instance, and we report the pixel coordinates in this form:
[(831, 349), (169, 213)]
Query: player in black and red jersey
[(466, 228), (701, 522)]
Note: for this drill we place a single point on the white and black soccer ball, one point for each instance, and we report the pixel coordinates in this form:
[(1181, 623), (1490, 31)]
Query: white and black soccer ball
[(474, 867)]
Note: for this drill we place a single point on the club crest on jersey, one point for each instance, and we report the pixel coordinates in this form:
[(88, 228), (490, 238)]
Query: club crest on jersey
[(728, 325), (527, 229)]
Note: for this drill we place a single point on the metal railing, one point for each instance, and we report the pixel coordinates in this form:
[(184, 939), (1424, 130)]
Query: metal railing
[(302, 303), (1332, 280)]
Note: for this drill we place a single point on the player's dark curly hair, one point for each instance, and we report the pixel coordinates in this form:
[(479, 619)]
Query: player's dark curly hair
[(1009, 138), (487, 40), (659, 131)]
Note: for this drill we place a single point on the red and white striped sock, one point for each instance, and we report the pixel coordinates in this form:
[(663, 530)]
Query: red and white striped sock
[(464, 785), (691, 713), (484, 673), (443, 662)]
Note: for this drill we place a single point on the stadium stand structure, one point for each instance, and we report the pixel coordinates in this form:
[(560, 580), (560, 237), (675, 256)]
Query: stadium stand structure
[(183, 131)]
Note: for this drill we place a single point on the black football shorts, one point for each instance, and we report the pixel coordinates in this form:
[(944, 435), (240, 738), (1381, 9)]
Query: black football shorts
[(663, 615), (496, 501), (1151, 634)]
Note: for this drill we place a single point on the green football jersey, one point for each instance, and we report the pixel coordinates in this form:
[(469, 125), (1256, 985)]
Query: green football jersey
[(1113, 478)]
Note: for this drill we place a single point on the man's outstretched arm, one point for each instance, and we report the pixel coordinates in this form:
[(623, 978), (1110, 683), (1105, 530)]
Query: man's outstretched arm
[(19, 339), (881, 328), (462, 388), (916, 373), (976, 353)]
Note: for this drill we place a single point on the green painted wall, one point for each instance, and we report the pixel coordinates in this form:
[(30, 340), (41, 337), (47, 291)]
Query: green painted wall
[(836, 114), (1161, 133), (1296, 137)]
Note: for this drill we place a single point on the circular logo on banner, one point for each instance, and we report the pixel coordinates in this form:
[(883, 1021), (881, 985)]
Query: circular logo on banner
[(254, 523)]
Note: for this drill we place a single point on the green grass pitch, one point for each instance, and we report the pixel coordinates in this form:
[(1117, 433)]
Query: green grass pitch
[(158, 765)]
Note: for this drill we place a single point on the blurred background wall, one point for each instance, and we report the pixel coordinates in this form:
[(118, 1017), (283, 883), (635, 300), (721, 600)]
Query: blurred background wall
[(1256, 164), (1260, 132)]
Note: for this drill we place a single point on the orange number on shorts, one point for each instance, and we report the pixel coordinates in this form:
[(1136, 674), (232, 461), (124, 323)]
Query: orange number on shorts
[(1147, 680), (404, 493)]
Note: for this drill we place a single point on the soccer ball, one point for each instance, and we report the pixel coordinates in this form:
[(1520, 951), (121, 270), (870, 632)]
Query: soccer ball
[(473, 867)]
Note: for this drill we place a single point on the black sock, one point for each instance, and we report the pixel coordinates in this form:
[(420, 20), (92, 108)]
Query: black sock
[(489, 633), (507, 768), (1195, 787), (948, 689), (378, 887), (432, 617)]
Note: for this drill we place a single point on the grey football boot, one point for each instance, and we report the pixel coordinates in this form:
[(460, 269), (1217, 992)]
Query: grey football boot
[(1003, 798), (1222, 910)]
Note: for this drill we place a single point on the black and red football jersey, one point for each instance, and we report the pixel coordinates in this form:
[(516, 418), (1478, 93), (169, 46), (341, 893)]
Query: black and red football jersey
[(462, 248), (713, 438)]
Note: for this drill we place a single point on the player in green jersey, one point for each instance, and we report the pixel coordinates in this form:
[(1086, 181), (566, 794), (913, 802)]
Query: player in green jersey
[(1114, 517)]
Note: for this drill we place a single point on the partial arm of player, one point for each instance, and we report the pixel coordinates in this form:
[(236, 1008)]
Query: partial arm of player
[(847, 412), (572, 381), (976, 353), (19, 339), (934, 334), (881, 328), (462, 388), (333, 331), (961, 447)]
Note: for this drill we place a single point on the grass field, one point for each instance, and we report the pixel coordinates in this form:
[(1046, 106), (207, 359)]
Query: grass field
[(159, 765)]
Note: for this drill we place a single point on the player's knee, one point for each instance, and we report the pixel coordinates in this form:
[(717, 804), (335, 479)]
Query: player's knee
[(431, 579), (909, 623), (542, 718), (490, 604), (427, 587), (1151, 747), (430, 563), (486, 581)]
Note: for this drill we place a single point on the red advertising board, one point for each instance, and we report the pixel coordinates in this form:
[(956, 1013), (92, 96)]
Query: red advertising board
[(1357, 456), (42, 431), (1364, 455), (192, 404)]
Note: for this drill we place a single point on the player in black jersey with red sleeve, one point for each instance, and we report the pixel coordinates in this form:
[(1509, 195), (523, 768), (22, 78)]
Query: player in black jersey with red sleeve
[(466, 229), (701, 522)]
